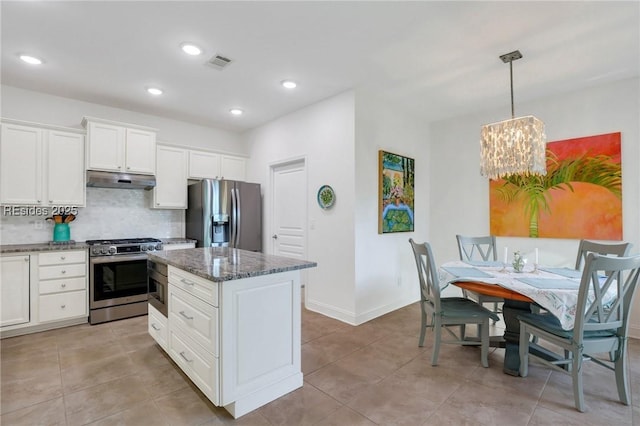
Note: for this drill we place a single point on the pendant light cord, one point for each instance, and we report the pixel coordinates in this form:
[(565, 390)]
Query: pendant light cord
[(513, 115)]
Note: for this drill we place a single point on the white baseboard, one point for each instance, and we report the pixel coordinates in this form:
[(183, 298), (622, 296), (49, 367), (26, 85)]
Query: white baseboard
[(356, 319)]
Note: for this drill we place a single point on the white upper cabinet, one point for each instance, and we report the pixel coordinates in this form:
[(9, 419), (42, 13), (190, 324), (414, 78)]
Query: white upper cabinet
[(41, 165), (65, 170), (233, 168), (21, 151), (170, 191), (210, 165), (204, 165), (120, 147)]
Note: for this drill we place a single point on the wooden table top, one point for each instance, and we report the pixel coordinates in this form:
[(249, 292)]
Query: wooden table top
[(491, 290)]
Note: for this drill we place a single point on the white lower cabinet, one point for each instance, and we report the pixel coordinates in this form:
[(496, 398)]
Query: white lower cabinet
[(158, 327), (42, 291), (198, 363), (14, 291), (62, 285), (238, 341)]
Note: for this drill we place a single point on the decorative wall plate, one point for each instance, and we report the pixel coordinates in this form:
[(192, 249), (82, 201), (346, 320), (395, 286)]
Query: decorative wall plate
[(326, 197)]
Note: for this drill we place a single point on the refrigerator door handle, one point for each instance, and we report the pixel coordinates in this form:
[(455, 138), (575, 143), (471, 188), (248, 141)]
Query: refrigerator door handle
[(238, 218), (234, 218)]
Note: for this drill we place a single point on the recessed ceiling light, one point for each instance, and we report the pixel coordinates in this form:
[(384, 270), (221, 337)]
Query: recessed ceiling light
[(191, 49), (236, 111), (289, 84), (154, 91), (31, 59)]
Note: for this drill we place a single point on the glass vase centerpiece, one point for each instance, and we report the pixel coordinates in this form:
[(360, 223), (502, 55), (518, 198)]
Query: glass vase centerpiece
[(518, 262)]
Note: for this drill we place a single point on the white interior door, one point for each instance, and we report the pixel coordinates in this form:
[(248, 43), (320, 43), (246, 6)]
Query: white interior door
[(289, 210)]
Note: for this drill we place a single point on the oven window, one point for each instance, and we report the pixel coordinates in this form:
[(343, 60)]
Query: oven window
[(119, 279)]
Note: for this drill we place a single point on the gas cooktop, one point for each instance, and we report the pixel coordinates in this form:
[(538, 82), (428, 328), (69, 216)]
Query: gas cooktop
[(123, 246), (123, 241)]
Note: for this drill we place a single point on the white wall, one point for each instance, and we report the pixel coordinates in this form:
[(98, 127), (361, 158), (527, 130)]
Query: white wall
[(40, 107), (323, 134), (386, 277), (459, 200), (360, 274)]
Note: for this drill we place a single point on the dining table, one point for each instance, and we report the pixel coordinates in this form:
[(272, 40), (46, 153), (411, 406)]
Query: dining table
[(549, 288)]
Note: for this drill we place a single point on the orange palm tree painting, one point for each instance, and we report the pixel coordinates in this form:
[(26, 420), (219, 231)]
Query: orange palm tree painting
[(580, 197)]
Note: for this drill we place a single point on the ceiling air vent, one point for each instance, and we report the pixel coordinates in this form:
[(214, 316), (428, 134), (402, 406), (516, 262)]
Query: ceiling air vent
[(219, 62)]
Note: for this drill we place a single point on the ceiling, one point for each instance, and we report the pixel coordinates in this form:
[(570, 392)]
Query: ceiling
[(434, 60)]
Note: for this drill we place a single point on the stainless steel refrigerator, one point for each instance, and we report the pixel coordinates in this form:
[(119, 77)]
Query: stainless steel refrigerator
[(225, 213)]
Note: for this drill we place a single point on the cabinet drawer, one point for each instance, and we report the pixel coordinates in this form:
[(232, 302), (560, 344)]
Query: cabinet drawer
[(62, 257), (195, 318), (63, 305), (193, 284), (158, 327), (62, 271), (64, 284), (201, 366)]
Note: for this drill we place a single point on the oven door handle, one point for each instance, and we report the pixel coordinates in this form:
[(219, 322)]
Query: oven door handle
[(114, 259)]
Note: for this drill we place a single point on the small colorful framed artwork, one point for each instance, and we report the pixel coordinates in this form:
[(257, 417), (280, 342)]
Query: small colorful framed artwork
[(395, 193)]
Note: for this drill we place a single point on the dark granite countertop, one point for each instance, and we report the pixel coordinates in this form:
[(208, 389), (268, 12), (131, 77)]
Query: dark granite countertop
[(225, 264), (41, 247), (78, 245)]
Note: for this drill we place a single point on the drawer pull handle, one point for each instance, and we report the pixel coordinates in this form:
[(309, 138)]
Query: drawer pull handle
[(155, 327), (185, 357), (63, 257), (63, 306), (187, 282), (185, 315), (63, 271), (63, 285)]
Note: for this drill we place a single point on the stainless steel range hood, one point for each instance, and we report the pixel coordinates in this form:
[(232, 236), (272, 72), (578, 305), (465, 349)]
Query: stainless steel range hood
[(119, 180)]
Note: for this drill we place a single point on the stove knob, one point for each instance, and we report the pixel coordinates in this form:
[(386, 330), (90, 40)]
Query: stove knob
[(159, 246), (103, 250), (95, 250), (143, 248), (113, 250)]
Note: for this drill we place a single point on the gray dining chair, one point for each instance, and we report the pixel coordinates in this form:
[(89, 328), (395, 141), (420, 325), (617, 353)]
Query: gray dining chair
[(445, 312), (481, 249), (587, 246), (602, 328)]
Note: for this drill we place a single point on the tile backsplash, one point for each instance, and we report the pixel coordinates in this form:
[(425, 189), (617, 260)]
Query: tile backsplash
[(110, 213)]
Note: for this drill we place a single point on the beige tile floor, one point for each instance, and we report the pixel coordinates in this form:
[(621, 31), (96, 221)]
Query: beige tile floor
[(114, 374)]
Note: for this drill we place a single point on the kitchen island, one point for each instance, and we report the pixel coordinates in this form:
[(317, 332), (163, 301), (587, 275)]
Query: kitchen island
[(233, 323)]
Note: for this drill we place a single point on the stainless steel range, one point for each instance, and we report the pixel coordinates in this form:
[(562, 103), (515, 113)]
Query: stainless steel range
[(118, 278)]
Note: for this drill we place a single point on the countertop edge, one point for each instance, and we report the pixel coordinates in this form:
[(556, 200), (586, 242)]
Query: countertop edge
[(230, 276)]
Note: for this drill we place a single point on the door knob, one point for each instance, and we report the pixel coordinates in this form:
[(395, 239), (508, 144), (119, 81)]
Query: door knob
[(275, 236)]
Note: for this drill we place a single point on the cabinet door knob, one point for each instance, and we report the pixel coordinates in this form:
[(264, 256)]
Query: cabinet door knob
[(155, 327), (50, 201), (63, 306), (63, 285), (26, 259), (128, 167), (63, 257), (63, 271)]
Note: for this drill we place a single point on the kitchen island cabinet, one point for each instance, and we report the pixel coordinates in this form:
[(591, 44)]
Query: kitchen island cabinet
[(233, 325)]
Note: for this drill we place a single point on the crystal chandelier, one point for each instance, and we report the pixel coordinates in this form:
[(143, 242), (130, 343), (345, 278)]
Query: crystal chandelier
[(515, 146)]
